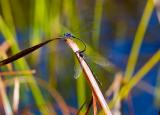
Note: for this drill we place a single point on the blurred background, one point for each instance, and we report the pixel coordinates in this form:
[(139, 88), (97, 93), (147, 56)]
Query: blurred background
[(122, 39)]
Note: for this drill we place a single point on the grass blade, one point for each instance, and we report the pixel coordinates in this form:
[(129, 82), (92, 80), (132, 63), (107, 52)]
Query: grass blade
[(58, 98), (16, 95), (89, 106), (138, 40), (136, 78), (98, 12), (4, 97), (22, 65), (24, 52), (94, 104), (16, 73)]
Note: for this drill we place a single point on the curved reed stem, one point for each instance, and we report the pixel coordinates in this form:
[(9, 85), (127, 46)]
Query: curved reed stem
[(89, 77)]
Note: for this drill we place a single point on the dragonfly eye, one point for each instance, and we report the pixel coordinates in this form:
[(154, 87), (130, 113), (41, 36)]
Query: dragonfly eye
[(67, 35)]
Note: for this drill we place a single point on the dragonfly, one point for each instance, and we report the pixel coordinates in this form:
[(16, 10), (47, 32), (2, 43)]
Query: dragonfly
[(27, 51)]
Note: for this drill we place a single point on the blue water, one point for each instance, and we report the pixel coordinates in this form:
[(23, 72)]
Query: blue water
[(142, 103)]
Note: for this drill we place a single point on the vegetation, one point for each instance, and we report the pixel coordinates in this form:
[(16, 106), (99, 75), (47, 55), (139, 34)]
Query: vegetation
[(43, 82)]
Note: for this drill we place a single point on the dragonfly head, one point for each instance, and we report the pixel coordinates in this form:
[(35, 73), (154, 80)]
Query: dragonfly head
[(68, 35)]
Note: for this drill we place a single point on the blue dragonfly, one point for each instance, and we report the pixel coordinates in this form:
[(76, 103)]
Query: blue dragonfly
[(65, 36)]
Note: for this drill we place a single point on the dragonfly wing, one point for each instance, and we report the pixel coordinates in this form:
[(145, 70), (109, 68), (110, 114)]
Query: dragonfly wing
[(78, 71)]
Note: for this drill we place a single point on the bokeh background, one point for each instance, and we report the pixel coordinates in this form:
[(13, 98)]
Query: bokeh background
[(121, 37)]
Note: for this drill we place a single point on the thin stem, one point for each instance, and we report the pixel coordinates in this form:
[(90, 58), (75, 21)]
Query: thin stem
[(136, 78), (138, 40), (16, 95), (25, 72), (89, 77), (94, 104)]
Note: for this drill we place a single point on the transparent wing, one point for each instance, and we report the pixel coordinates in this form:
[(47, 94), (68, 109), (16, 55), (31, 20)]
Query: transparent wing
[(77, 71)]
